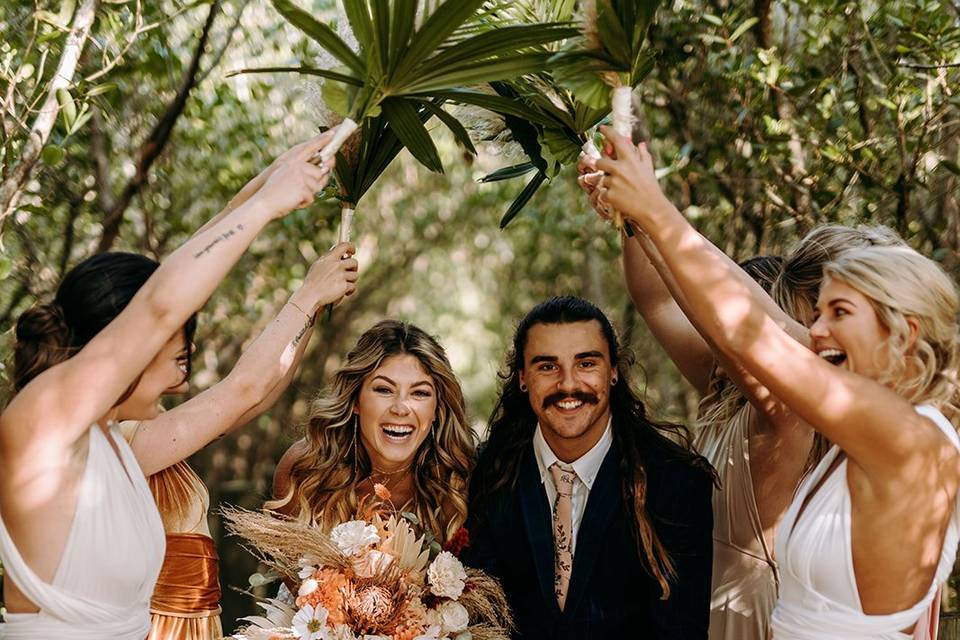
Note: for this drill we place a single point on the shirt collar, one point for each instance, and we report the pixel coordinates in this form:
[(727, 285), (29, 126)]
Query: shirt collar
[(586, 466)]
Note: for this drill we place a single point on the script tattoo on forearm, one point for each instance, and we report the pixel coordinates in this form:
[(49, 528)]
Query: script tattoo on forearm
[(223, 237), (303, 331)]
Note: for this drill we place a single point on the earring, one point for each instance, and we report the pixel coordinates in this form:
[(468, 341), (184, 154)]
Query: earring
[(613, 382), (356, 453), (523, 387)]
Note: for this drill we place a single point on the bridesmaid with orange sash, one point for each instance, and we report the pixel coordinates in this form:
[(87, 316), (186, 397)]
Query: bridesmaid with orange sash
[(186, 601)]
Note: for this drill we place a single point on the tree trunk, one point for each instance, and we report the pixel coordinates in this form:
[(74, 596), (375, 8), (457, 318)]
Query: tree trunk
[(12, 187)]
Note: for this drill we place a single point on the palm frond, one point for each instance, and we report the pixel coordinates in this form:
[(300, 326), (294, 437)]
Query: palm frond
[(321, 34)]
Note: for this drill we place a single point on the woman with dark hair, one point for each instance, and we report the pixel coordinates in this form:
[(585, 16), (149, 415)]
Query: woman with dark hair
[(880, 383), (80, 537), (393, 415)]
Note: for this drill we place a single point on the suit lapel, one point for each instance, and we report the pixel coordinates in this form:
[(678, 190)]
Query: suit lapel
[(591, 536), (539, 525)]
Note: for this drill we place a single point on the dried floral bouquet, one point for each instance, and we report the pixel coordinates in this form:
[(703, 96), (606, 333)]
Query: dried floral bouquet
[(372, 578)]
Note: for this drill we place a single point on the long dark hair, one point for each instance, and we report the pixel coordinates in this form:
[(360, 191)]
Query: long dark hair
[(90, 296), (513, 423)]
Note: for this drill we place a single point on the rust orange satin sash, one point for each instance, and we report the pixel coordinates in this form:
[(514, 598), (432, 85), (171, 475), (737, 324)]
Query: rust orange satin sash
[(189, 584)]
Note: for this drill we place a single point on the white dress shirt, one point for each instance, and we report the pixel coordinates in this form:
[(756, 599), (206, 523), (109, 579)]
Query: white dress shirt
[(586, 467)]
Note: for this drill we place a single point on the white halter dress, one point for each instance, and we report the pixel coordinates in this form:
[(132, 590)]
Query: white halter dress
[(818, 590), (110, 563)]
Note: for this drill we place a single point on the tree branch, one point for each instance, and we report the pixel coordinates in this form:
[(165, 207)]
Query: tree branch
[(12, 186), (944, 65), (157, 139)]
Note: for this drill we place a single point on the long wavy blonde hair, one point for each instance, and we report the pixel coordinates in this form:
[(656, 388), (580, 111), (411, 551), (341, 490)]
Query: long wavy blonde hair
[(900, 284), (794, 287), (324, 480)]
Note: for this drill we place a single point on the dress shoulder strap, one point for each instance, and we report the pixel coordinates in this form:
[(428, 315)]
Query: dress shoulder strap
[(934, 414)]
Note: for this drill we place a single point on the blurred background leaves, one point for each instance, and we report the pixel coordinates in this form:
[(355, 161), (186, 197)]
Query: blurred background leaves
[(767, 117)]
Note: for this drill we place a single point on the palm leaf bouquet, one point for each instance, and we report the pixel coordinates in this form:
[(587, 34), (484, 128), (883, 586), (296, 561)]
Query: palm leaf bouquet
[(609, 60), (407, 53), (545, 118), (373, 577)]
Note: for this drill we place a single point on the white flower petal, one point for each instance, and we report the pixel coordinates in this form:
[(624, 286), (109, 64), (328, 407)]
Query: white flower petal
[(354, 536), (446, 576)]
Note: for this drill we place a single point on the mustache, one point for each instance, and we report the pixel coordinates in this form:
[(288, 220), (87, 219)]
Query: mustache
[(583, 396)]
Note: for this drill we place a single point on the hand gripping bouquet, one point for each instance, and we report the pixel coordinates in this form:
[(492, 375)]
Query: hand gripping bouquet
[(388, 64), (372, 578), (608, 61)]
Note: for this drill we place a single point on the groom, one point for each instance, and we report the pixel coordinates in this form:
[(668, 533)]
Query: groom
[(596, 523)]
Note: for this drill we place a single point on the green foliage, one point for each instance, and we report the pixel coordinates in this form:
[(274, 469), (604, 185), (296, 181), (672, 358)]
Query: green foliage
[(400, 65), (759, 135), (612, 43)]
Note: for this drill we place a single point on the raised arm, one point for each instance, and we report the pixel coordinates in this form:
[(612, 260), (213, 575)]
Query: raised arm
[(877, 428), (66, 399), (260, 376), (653, 296), (661, 303)]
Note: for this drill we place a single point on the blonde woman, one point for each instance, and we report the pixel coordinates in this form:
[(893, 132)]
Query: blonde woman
[(872, 531), (760, 448), (393, 415)]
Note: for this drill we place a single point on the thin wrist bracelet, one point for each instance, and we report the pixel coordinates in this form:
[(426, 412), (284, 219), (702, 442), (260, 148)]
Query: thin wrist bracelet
[(311, 318)]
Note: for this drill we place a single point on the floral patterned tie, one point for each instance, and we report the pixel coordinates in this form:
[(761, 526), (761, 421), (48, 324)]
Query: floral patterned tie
[(563, 480)]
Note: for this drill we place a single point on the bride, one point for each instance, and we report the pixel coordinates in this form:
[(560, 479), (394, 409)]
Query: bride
[(394, 415)]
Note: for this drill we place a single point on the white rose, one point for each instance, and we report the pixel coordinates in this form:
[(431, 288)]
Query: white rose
[(453, 617), (446, 576), (354, 536)]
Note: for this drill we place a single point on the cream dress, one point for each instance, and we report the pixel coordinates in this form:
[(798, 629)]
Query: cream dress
[(111, 560)]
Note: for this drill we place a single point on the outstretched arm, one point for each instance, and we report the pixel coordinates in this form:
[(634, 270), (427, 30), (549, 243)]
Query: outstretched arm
[(261, 374), (654, 298), (660, 301), (878, 429), (62, 402)]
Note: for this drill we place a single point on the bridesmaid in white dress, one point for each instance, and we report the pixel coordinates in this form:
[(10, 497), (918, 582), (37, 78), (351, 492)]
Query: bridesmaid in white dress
[(80, 537), (873, 531)]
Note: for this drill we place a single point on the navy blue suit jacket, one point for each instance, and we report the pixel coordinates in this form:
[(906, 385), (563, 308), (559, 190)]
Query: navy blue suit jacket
[(612, 594)]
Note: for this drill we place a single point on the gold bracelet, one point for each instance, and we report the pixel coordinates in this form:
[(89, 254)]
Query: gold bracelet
[(311, 318)]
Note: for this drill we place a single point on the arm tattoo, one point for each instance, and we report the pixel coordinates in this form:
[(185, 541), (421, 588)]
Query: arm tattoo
[(226, 235), (303, 331)]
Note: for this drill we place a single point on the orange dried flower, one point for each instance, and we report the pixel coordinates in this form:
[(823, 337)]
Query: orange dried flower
[(382, 492), (328, 594)]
